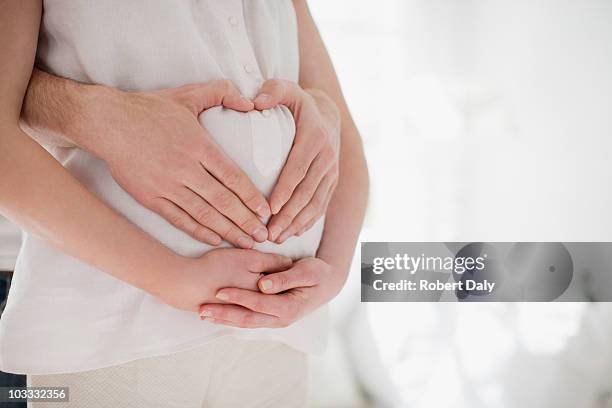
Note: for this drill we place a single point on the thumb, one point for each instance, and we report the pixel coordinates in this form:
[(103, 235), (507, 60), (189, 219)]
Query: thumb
[(221, 92), (260, 262), (296, 277), (276, 92)]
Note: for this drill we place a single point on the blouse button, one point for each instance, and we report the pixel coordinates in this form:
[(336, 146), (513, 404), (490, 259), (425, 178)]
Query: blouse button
[(248, 68), (266, 112), (233, 21)]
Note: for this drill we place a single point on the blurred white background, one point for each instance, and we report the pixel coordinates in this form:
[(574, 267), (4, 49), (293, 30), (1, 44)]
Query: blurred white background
[(483, 120)]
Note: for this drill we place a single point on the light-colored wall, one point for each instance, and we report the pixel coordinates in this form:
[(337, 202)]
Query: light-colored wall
[(482, 119)]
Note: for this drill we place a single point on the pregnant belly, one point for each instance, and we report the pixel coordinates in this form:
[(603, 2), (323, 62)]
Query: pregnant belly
[(258, 142)]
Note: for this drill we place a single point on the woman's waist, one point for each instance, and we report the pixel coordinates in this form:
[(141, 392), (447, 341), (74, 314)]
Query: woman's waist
[(46, 276)]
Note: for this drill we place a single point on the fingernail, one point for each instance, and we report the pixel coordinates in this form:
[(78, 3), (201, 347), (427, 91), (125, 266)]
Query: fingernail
[(260, 234), (206, 313), (263, 210), (261, 98), (247, 101), (222, 296), (274, 231), (275, 208), (245, 242), (283, 237), (265, 284)]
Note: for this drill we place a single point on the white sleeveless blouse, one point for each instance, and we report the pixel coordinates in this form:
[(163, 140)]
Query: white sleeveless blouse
[(65, 316)]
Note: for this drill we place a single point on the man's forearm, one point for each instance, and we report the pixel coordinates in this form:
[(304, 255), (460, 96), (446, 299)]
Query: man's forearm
[(58, 111)]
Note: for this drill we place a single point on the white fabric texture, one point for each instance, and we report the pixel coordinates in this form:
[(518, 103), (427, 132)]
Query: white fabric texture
[(225, 373), (64, 316)]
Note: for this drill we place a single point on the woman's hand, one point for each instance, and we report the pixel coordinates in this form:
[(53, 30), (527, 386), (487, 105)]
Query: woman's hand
[(156, 150), (308, 180), (196, 281), (287, 296)]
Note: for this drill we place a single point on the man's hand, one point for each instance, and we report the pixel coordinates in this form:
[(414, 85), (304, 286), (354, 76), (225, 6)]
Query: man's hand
[(310, 175), (287, 296), (159, 153), (196, 281), (170, 164)]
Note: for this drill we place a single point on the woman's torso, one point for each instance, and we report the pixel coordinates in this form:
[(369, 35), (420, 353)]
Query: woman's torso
[(63, 315)]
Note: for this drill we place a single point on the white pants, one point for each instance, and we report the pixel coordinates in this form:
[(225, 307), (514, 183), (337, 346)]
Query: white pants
[(224, 373)]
